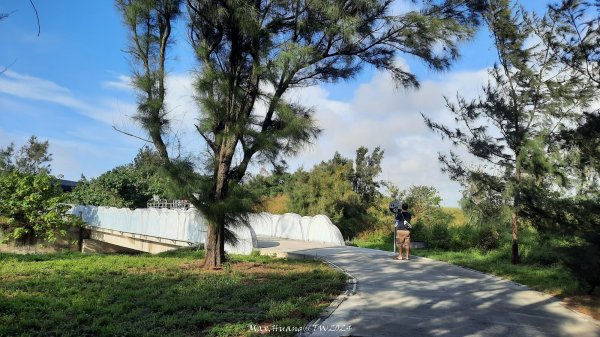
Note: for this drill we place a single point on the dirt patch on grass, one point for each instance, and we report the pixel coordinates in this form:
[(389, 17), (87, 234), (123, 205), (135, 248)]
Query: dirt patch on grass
[(253, 267), (586, 304), (14, 278), (196, 265)]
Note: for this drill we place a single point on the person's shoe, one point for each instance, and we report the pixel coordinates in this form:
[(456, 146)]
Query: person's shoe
[(398, 258)]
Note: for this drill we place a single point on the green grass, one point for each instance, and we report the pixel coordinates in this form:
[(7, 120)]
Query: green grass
[(378, 239), (70, 294), (553, 279)]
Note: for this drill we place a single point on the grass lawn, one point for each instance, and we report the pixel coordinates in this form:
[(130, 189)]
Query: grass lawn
[(72, 294), (553, 279)]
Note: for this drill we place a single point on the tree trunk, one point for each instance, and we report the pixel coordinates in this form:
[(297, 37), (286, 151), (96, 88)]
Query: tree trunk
[(215, 241), (515, 259), (515, 239), (215, 256)]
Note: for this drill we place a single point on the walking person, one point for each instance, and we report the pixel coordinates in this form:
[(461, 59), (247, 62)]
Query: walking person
[(403, 227)]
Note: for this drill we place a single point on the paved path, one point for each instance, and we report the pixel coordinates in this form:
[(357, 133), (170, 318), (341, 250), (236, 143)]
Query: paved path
[(423, 297)]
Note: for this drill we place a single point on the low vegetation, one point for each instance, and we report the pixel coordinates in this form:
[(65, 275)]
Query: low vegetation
[(71, 294)]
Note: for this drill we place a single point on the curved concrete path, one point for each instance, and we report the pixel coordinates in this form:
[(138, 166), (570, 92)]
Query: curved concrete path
[(423, 297)]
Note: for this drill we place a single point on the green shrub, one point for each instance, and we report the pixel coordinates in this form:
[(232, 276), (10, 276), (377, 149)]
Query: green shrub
[(488, 238), (543, 254), (419, 232), (583, 259), (439, 236), (463, 237), (32, 207), (382, 239)]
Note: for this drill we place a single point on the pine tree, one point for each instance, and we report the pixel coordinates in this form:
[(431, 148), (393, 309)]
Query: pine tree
[(250, 54), (31, 158), (366, 169), (509, 130), (577, 45)]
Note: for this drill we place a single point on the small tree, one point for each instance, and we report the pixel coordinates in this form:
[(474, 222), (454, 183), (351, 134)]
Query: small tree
[(32, 158), (32, 207), (327, 189), (6, 158), (342, 189), (529, 97), (366, 169), (250, 54), (131, 185)]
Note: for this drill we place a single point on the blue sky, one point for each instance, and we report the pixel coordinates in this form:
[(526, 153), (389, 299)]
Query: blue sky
[(69, 86)]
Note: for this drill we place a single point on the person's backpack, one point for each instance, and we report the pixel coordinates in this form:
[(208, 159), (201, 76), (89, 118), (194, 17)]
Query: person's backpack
[(406, 223)]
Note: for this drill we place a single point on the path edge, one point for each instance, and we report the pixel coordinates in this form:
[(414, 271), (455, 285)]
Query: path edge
[(548, 296), (351, 288)]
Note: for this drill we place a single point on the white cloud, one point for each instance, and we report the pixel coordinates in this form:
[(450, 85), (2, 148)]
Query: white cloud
[(380, 114), (123, 82), (38, 89), (29, 87)]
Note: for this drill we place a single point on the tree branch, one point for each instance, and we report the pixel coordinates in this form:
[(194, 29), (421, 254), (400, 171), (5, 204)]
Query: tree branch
[(37, 17), (132, 135)]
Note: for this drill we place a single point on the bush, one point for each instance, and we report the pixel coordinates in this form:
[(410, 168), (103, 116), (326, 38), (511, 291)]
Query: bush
[(543, 254), (419, 232), (382, 239), (488, 238), (440, 235), (463, 237), (583, 259), (32, 207), (131, 185)]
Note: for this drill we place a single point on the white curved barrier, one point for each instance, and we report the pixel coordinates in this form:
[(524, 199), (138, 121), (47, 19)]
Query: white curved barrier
[(246, 241), (190, 226), (288, 226), (317, 228), (175, 224)]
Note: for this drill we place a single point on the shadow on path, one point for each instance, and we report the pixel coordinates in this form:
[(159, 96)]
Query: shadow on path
[(424, 297)]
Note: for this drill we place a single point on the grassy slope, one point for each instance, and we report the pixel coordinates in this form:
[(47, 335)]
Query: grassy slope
[(458, 214), (71, 294), (275, 205)]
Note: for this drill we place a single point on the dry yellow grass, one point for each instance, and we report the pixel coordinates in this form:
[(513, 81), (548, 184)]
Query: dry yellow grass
[(459, 216), (275, 205)]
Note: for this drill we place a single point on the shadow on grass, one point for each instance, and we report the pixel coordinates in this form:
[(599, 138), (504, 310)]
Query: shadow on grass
[(112, 295), (44, 257)]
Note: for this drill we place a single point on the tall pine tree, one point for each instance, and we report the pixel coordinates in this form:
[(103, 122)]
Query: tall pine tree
[(251, 53), (530, 97)]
